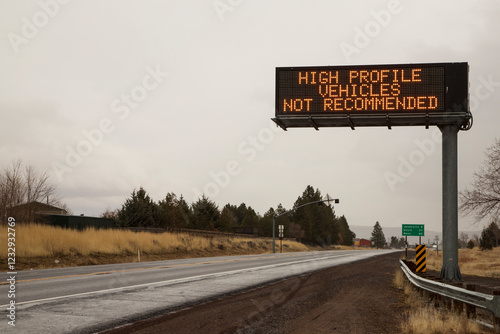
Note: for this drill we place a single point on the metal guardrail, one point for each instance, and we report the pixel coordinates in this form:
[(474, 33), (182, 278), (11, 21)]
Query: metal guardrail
[(484, 301)]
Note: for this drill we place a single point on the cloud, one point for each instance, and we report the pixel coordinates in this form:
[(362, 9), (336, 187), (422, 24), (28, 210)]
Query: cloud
[(220, 92)]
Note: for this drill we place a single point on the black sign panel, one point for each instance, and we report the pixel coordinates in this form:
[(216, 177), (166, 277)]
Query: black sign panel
[(341, 95)]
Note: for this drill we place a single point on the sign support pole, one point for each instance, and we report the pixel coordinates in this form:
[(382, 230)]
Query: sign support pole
[(406, 248), (450, 270), (274, 250)]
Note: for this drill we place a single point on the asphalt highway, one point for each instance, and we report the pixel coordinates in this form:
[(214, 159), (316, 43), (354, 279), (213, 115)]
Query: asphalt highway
[(93, 298)]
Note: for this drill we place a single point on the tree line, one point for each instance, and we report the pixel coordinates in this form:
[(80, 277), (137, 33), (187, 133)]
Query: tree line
[(490, 236), (315, 224)]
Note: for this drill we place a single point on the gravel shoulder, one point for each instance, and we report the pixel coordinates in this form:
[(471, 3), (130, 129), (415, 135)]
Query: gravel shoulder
[(352, 298)]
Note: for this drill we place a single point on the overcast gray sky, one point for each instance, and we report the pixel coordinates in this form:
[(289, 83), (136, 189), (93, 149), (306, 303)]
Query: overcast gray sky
[(177, 96)]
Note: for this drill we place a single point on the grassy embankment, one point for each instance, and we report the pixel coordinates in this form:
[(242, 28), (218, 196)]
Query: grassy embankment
[(43, 246), (471, 261), (424, 318)]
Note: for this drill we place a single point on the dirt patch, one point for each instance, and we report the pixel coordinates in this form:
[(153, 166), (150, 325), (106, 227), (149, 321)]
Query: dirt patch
[(352, 298)]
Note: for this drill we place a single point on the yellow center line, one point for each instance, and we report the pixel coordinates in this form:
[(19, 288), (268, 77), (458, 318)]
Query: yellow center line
[(137, 269)]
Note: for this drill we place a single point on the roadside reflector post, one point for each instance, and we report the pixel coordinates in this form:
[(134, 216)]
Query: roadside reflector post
[(420, 259), (406, 248)]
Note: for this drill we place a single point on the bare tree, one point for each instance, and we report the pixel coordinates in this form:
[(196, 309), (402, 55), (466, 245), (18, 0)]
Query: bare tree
[(464, 237), (483, 198), (38, 186), (15, 187), (11, 186), (110, 214), (296, 231), (21, 184)]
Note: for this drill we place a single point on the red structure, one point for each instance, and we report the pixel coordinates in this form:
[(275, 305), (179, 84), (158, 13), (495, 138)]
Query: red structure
[(362, 243)]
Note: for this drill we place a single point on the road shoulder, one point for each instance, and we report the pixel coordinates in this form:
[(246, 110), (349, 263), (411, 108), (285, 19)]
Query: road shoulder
[(351, 298)]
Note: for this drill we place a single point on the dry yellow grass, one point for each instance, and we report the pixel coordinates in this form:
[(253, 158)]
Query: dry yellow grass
[(471, 261), (425, 319), (35, 241)]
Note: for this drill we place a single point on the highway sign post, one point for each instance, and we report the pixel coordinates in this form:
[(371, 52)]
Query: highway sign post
[(433, 94), (281, 228), (413, 230)]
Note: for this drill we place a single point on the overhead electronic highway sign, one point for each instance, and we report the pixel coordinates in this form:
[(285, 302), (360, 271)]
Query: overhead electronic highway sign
[(372, 95)]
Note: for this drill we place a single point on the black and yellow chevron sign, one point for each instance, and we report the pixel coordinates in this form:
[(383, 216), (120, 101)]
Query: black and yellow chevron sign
[(420, 258)]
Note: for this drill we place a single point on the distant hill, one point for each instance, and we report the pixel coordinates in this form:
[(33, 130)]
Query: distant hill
[(365, 232)]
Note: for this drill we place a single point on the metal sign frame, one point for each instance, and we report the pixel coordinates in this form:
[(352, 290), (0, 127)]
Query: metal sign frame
[(309, 86), (451, 116)]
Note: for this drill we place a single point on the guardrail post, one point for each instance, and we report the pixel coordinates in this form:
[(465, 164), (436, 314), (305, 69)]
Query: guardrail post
[(457, 306), (470, 309), (448, 302), (496, 315), (437, 301)]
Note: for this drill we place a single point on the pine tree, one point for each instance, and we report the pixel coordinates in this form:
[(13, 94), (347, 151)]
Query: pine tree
[(205, 214), (185, 213), (251, 219), (266, 223), (241, 211), (227, 220), (490, 236), (394, 242), (378, 238), (139, 211), (317, 220), (169, 212), (346, 235), (487, 239)]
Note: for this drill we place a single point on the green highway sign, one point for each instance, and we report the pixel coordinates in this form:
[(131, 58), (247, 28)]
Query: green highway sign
[(413, 230)]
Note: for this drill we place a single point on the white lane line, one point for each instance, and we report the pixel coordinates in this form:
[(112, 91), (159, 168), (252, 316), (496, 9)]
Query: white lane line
[(178, 280)]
